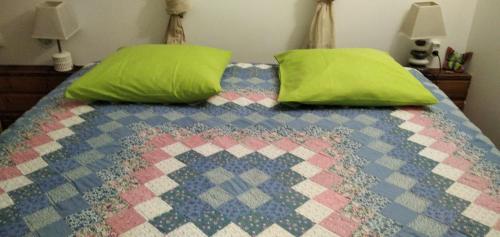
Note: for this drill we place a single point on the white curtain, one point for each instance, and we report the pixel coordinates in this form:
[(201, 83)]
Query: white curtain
[(322, 32), (175, 32)]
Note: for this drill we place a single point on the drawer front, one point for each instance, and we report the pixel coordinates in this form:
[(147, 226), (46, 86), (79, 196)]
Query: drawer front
[(453, 88), (18, 102), (24, 84), (9, 118)]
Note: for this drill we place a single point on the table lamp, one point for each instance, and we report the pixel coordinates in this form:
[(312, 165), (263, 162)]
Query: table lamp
[(55, 20), (423, 23)]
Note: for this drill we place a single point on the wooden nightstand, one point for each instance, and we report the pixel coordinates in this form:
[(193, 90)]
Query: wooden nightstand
[(22, 86), (453, 84)]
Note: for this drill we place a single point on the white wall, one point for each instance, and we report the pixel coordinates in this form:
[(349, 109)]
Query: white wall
[(484, 94), (254, 30)]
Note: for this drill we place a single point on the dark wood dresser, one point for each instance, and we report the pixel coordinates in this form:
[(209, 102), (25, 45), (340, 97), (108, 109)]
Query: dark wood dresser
[(22, 86), (453, 84)]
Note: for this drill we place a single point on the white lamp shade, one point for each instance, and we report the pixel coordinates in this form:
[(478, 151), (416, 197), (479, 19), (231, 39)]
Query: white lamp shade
[(54, 20), (424, 21)]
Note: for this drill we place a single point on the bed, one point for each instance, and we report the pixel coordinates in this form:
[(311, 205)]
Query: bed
[(243, 165)]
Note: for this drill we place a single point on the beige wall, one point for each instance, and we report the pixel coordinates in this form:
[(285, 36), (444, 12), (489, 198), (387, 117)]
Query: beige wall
[(483, 103), (254, 30)]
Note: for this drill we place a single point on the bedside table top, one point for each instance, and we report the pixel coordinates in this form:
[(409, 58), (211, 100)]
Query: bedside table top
[(11, 70), (433, 74)]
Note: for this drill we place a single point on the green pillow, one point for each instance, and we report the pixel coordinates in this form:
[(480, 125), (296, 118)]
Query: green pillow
[(354, 77), (154, 74)]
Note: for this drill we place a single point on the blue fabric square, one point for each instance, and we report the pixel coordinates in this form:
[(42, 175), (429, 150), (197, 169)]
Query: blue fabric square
[(399, 213), (51, 182), (270, 123), (214, 122), (157, 121), (426, 191), (198, 185), (202, 166), (62, 166), (272, 167), (234, 209), (274, 210), (238, 166), (408, 232), (127, 121), (299, 124), (28, 191), (273, 187), (355, 125), (235, 186), (326, 124), (169, 221), (59, 228), (100, 164), (190, 157), (185, 122), (378, 171), (387, 190), (87, 183), (363, 139), (15, 229), (369, 153), (412, 170), (122, 132), (241, 123), (110, 149), (442, 214), (31, 205), (194, 208), (70, 206)]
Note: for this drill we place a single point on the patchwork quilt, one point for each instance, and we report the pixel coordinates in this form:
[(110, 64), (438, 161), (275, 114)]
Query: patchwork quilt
[(242, 165)]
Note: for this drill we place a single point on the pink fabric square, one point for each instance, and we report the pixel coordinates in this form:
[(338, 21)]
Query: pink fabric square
[(333, 200), (194, 141), (39, 140), (256, 96), (286, 144), (155, 156), (497, 225), (51, 126), (316, 144), (254, 143), (125, 220), (148, 174), (322, 161), (9, 172), (489, 202), (423, 121), (339, 224), (61, 115), (162, 140), (445, 147), (24, 156), (476, 182), (432, 132), (327, 179), (224, 142), (458, 162), (230, 95), (137, 195)]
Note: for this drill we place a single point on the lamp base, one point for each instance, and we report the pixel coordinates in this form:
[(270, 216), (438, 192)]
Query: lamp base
[(419, 58), (63, 61)]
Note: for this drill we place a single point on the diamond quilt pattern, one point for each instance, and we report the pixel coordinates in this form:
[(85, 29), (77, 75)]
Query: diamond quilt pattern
[(240, 164)]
